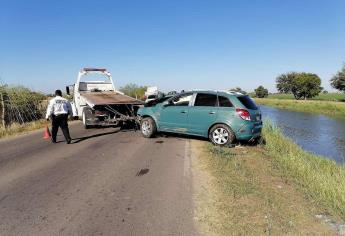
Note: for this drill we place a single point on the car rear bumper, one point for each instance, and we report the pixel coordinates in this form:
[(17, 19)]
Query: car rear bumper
[(249, 131)]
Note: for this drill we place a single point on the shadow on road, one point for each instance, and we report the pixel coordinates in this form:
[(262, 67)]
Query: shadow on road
[(78, 140), (190, 137)]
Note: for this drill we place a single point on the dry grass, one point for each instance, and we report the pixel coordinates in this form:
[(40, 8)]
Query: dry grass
[(240, 191), (15, 129)]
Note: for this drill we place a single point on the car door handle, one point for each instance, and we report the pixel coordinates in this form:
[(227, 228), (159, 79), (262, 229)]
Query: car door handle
[(183, 111), (212, 113)]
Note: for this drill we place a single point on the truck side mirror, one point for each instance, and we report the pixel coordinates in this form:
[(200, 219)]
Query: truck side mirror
[(67, 90)]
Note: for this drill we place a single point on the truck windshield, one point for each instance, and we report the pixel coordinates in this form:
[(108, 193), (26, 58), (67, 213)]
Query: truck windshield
[(95, 83), (151, 97), (95, 78)]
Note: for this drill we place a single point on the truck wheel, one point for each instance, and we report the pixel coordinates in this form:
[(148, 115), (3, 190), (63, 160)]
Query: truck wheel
[(148, 127), (86, 113), (221, 135)]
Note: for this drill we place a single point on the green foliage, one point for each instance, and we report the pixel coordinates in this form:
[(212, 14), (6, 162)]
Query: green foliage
[(261, 92), (134, 90), (336, 97), (238, 89), (285, 82), (338, 81), (306, 85), (22, 104), (328, 108), (301, 85)]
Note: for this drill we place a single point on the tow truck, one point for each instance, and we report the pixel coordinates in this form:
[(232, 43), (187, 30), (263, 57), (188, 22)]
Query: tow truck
[(98, 103)]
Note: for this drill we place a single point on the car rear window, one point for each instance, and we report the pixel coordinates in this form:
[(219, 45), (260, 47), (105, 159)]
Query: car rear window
[(248, 102), (224, 102), (204, 99)]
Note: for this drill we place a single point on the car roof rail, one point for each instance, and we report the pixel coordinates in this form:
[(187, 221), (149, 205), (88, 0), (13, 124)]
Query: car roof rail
[(234, 93)]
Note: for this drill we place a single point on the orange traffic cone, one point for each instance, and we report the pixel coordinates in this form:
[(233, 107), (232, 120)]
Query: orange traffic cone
[(46, 133)]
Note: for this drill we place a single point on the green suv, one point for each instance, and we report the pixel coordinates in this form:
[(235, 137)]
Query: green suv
[(223, 117)]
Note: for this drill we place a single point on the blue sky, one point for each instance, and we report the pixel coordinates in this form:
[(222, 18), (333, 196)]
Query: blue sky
[(172, 44)]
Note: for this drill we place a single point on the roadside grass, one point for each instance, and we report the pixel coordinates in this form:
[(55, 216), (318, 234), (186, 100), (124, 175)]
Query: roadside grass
[(16, 128), (336, 97), (321, 179), (271, 189), (241, 192), (334, 109)]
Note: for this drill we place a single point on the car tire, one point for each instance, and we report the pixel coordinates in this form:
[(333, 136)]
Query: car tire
[(221, 135), (86, 113), (148, 127)]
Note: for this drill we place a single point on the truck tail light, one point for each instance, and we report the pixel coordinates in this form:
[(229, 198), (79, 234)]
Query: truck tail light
[(100, 113), (243, 113)]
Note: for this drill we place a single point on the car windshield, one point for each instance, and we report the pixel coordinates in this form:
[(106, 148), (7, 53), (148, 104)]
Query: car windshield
[(182, 99), (247, 102), (156, 101)]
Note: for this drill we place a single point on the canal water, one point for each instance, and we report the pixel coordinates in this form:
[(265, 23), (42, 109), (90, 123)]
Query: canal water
[(317, 134)]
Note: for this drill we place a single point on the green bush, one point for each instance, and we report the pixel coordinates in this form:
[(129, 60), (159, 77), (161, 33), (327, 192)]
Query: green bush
[(21, 104)]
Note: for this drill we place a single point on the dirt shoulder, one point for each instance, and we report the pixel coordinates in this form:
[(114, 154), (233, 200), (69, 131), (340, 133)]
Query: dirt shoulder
[(239, 191), (16, 130)]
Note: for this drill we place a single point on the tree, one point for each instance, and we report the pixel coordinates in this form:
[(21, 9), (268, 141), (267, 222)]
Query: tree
[(238, 90), (285, 82), (261, 92), (134, 90), (338, 81), (306, 85), (301, 85)]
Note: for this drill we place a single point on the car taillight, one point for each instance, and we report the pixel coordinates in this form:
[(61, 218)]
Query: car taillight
[(243, 113)]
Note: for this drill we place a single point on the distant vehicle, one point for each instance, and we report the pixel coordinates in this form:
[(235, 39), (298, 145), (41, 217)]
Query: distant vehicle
[(172, 93), (97, 102), (152, 93), (223, 117), (151, 97)]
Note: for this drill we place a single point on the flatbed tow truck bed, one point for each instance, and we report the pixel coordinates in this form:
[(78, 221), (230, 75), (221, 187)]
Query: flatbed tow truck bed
[(108, 98)]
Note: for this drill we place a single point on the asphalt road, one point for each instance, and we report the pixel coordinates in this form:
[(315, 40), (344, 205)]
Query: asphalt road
[(107, 182)]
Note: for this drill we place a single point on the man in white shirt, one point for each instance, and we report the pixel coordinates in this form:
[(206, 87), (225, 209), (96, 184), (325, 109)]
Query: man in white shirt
[(58, 110)]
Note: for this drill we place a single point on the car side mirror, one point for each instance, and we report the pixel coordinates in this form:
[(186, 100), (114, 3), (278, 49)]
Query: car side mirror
[(67, 90)]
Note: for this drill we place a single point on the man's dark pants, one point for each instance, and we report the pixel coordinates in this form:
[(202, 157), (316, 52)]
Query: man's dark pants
[(60, 121)]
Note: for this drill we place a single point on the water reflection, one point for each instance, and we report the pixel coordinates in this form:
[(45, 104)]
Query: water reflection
[(315, 133)]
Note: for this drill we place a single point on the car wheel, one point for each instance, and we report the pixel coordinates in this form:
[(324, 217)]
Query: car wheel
[(85, 116), (221, 135), (148, 127)]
